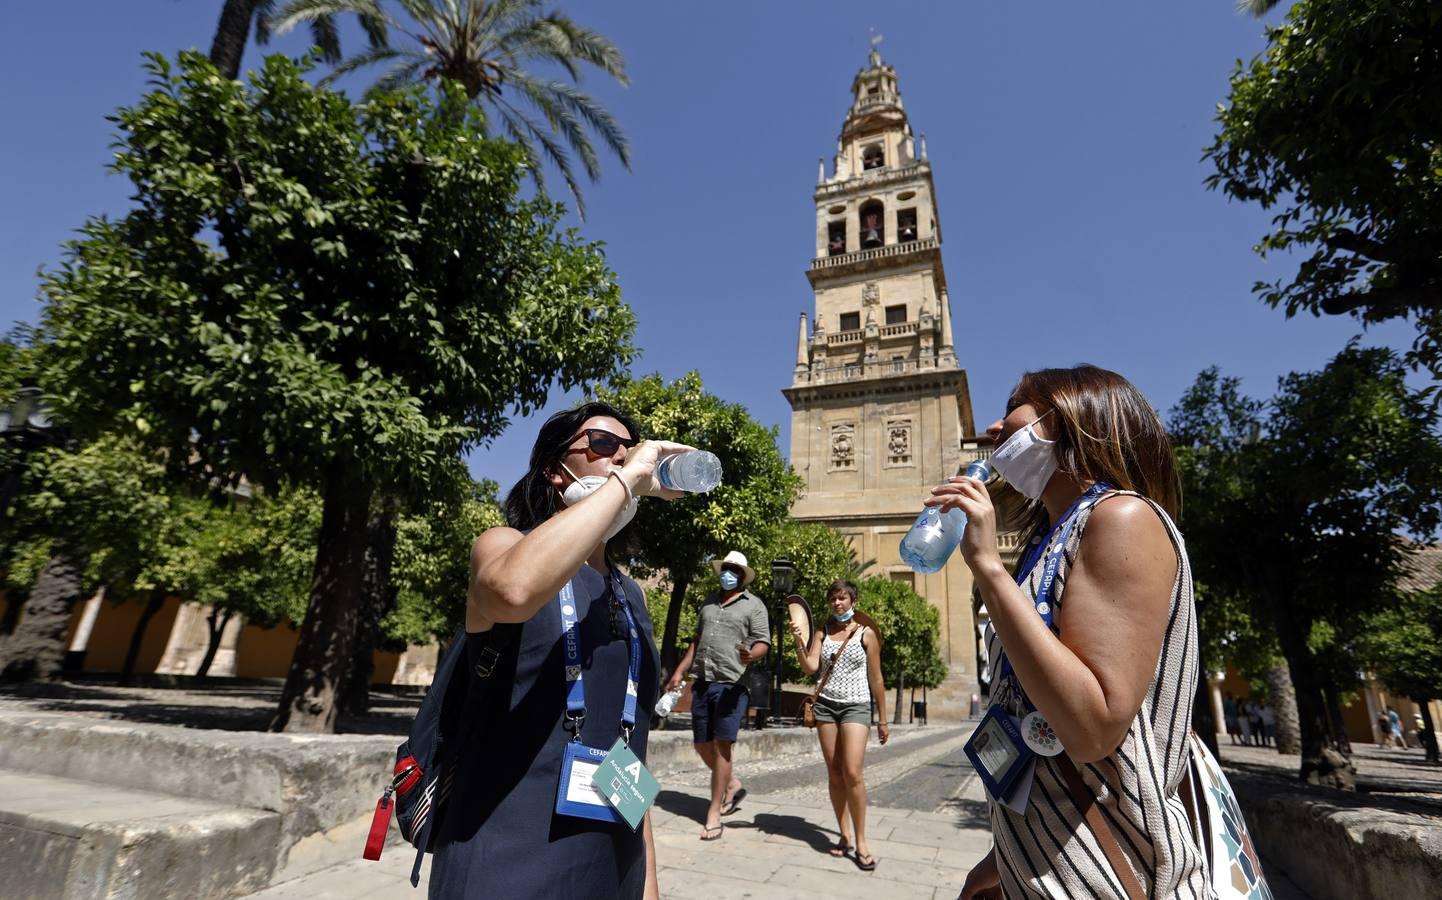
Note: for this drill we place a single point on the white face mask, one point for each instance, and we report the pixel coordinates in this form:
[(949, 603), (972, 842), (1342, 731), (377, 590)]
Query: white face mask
[(585, 486), (1027, 461)]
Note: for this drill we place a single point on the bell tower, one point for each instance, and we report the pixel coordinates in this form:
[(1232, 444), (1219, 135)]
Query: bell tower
[(880, 408)]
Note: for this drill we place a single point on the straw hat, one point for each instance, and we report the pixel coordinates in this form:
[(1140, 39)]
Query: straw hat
[(738, 559)]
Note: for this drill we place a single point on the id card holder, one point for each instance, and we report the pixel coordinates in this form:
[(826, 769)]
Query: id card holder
[(626, 784), (576, 794), (998, 754)]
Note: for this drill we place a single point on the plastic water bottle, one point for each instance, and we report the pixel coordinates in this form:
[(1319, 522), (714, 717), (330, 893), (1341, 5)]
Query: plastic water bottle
[(693, 471), (935, 534), (667, 701)]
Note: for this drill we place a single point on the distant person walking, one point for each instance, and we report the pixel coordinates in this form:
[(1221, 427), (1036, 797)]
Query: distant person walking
[(1395, 721), (1229, 712), (732, 632), (1269, 723), (847, 655)]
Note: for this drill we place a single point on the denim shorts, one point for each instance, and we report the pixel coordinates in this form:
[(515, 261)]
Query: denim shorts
[(717, 708), (834, 712)]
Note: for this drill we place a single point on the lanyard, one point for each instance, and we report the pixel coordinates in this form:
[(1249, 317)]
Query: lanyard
[(570, 637), (1042, 603)]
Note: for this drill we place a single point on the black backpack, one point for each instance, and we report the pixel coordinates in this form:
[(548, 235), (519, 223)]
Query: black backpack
[(454, 706)]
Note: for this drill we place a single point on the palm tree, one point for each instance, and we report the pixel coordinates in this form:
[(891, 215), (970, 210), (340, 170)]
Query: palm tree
[(485, 46), (231, 33)]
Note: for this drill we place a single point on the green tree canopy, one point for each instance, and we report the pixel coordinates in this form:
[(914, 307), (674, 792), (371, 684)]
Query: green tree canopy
[(1298, 513), (755, 493), (1335, 128), (323, 294)]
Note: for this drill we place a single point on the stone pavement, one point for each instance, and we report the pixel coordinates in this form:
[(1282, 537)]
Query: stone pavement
[(775, 845)]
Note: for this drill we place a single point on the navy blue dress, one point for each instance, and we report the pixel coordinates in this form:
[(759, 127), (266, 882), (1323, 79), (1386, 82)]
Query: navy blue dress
[(499, 834)]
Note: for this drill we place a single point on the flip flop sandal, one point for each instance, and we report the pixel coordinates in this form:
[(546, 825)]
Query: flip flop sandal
[(841, 850), (708, 836), (867, 865), (734, 803)]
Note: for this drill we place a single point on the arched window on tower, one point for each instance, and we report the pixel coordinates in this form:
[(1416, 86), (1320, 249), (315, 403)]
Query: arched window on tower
[(905, 225), (872, 215), (872, 157), (836, 238)]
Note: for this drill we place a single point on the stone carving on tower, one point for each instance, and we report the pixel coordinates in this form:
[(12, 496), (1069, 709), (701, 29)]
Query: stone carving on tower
[(880, 407)]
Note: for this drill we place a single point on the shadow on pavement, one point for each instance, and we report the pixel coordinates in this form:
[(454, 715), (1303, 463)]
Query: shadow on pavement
[(969, 813), (794, 827)]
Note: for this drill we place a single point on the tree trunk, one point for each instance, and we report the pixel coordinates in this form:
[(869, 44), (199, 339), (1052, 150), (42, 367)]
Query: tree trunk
[(1337, 726), (1429, 730), (231, 35), (215, 623), (309, 702), (36, 650), (153, 605), (1284, 705), (900, 684), (380, 597), (1320, 764), (1203, 721), (14, 602), (673, 624)]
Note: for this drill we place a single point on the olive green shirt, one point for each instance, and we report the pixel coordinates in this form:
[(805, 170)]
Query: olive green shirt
[(720, 628)]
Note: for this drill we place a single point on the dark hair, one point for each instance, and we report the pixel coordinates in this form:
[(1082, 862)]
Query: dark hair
[(1105, 430), (533, 499), (841, 584)]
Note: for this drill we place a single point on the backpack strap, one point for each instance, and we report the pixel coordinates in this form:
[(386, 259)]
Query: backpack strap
[(494, 644), (1086, 803)]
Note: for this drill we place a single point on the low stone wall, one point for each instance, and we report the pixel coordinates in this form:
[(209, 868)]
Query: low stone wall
[(1338, 845)]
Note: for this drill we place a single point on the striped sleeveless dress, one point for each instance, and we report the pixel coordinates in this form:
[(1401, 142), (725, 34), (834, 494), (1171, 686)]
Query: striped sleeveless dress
[(1050, 851)]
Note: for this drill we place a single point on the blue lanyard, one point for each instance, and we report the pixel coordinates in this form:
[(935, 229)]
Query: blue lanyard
[(1042, 603), (570, 637)]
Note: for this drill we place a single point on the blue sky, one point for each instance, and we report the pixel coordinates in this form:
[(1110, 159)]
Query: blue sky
[(1065, 142)]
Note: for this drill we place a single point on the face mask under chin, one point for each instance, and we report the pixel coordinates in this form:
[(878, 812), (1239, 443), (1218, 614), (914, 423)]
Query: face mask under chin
[(586, 485), (1026, 460)]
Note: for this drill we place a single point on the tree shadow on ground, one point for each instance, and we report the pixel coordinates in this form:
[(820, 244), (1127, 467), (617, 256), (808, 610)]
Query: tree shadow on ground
[(969, 813)]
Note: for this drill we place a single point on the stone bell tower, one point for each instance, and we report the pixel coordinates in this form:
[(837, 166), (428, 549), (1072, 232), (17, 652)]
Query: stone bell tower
[(880, 407)]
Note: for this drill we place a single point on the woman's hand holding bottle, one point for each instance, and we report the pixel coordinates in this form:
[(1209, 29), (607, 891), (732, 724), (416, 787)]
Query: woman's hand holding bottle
[(978, 542), (639, 469)]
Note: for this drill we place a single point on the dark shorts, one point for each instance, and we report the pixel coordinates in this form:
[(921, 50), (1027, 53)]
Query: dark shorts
[(717, 708)]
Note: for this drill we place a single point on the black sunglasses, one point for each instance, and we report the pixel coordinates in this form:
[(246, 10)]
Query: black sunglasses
[(600, 442)]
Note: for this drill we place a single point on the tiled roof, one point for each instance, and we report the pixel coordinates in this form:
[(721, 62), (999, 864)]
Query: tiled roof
[(1424, 569)]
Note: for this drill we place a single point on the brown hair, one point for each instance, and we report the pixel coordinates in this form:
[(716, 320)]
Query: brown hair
[(1105, 430), (841, 584)]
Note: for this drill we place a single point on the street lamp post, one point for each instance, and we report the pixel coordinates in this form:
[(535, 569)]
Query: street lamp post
[(783, 578), (25, 423)]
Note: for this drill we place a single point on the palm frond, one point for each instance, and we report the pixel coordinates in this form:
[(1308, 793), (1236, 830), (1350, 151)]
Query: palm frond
[(523, 130), (326, 38), (1257, 8), (299, 12), (592, 47), (578, 105), (262, 14), (562, 120), (361, 60), (401, 74)]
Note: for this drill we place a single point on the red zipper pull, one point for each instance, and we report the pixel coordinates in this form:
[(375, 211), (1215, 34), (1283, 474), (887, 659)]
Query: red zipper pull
[(379, 825)]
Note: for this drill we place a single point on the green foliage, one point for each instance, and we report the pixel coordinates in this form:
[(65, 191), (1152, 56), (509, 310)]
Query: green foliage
[(485, 49), (1292, 520), (373, 298), (431, 571), (752, 501), (910, 631), (1336, 127), (1402, 646)]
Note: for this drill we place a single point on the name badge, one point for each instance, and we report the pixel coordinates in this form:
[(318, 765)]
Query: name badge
[(999, 754), (576, 794), (626, 784)]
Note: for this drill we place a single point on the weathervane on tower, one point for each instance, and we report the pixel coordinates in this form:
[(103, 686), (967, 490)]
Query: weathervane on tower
[(875, 39)]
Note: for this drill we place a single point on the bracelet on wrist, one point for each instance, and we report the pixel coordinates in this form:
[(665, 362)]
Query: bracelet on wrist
[(624, 486)]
